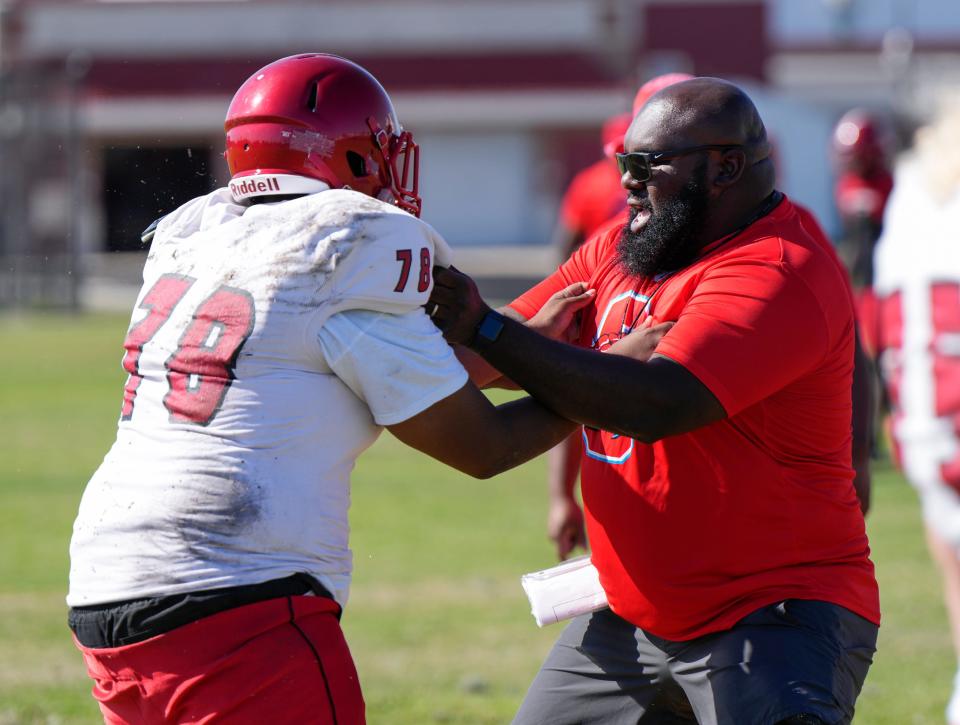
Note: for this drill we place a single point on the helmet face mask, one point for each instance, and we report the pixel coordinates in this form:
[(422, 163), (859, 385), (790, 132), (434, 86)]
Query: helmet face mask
[(399, 171), (322, 118)]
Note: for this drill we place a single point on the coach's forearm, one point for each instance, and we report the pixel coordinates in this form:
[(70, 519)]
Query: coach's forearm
[(612, 392), (482, 373)]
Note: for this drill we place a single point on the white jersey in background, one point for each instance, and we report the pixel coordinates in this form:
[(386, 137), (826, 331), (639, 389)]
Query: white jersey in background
[(268, 346), (917, 282)]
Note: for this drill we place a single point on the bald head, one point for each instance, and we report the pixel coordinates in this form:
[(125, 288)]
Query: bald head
[(714, 112), (706, 111)]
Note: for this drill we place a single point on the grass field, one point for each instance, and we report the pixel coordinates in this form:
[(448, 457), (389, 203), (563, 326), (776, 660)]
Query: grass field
[(437, 621)]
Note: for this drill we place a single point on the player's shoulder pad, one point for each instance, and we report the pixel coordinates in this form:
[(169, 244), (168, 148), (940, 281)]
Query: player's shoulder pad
[(385, 256), (146, 236)]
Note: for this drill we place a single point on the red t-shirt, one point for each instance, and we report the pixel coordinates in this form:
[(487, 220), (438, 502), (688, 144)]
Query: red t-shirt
[(594, 195), (812, 226), (864, 301), (695, 531)]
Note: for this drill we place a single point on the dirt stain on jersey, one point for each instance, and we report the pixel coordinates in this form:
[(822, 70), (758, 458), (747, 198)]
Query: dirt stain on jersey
[(227, 510)]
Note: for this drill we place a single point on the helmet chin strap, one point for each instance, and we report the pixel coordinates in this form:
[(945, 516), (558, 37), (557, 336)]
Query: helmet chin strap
[(268, 184)]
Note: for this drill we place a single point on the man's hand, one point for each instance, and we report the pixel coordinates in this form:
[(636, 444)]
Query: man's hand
[(455, 305), (565, 525), (558, 319), (642, 341)]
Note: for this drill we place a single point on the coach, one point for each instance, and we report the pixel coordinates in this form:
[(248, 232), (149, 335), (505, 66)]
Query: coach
[(717, 479)]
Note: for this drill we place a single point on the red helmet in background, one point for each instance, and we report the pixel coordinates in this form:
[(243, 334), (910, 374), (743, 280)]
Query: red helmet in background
[(614, 129), (311, 120), (655, 85), (859, 140), (860, 151)]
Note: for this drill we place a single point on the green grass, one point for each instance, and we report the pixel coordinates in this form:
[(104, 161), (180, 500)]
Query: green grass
[(437, 621)]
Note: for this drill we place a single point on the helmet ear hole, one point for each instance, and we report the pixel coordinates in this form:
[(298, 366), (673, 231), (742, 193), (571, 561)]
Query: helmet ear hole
[(357, 164)]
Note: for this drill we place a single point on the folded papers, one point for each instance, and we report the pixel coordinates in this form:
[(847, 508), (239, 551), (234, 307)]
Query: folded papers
[(564, 591)]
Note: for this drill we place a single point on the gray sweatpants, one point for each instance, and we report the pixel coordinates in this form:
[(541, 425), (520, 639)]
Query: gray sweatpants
[(785, 659)]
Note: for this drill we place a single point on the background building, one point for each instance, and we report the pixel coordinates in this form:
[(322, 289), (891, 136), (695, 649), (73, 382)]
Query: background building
[(111, 111)]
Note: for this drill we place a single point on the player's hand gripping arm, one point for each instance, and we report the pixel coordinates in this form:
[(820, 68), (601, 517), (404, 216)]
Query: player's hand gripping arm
[(644, 400)]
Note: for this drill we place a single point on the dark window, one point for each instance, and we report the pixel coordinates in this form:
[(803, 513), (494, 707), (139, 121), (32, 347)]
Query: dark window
[(141, 184)]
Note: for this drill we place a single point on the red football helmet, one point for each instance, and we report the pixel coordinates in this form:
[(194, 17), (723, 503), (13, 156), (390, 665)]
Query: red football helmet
[(317, 118), (859, 140), (614, 129)]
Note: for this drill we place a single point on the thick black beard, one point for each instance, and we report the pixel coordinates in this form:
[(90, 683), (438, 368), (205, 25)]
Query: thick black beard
[(672, 238)]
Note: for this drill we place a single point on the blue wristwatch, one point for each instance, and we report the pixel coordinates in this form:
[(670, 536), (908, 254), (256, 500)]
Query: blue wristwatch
[(489, 329)]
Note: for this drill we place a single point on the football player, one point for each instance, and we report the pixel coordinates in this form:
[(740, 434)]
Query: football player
[(917, 282), (279, 329), (861, 153)]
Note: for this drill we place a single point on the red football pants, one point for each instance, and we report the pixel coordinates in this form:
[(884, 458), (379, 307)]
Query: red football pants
[(282, 660)]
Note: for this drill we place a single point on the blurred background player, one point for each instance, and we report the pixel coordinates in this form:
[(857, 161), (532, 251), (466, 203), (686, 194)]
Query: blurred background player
[(917, 282), (861, 151), (594, 194), (595, 189), (279, 329), (865, 384)]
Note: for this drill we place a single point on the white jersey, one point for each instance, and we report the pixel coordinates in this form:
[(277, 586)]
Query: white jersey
[(268, 346), (917, 282)]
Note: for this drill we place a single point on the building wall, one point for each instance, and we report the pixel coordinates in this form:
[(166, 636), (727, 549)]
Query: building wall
[(506, 97)]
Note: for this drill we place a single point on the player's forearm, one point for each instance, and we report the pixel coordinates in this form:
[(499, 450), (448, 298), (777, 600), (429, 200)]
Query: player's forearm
[(524, 430), (481, 373), (465, 431)]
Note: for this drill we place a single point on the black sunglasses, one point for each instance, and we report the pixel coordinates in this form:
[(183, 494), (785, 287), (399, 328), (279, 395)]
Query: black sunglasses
[(638, 163)]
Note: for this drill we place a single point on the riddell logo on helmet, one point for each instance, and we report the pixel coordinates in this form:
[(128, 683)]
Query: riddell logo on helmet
[(253, 186)]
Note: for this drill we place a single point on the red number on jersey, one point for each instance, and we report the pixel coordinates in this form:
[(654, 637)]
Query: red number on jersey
[(201, 368), (405, 257), (159, 303), (425, 270)]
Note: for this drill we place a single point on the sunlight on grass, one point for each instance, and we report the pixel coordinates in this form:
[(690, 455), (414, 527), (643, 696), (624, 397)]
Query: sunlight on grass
[(437, 620)]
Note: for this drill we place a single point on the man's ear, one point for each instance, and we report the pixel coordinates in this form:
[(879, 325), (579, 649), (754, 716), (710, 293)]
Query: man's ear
[(730, 168)]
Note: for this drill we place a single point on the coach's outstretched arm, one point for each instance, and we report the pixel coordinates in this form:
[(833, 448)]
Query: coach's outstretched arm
[(644, 400)]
